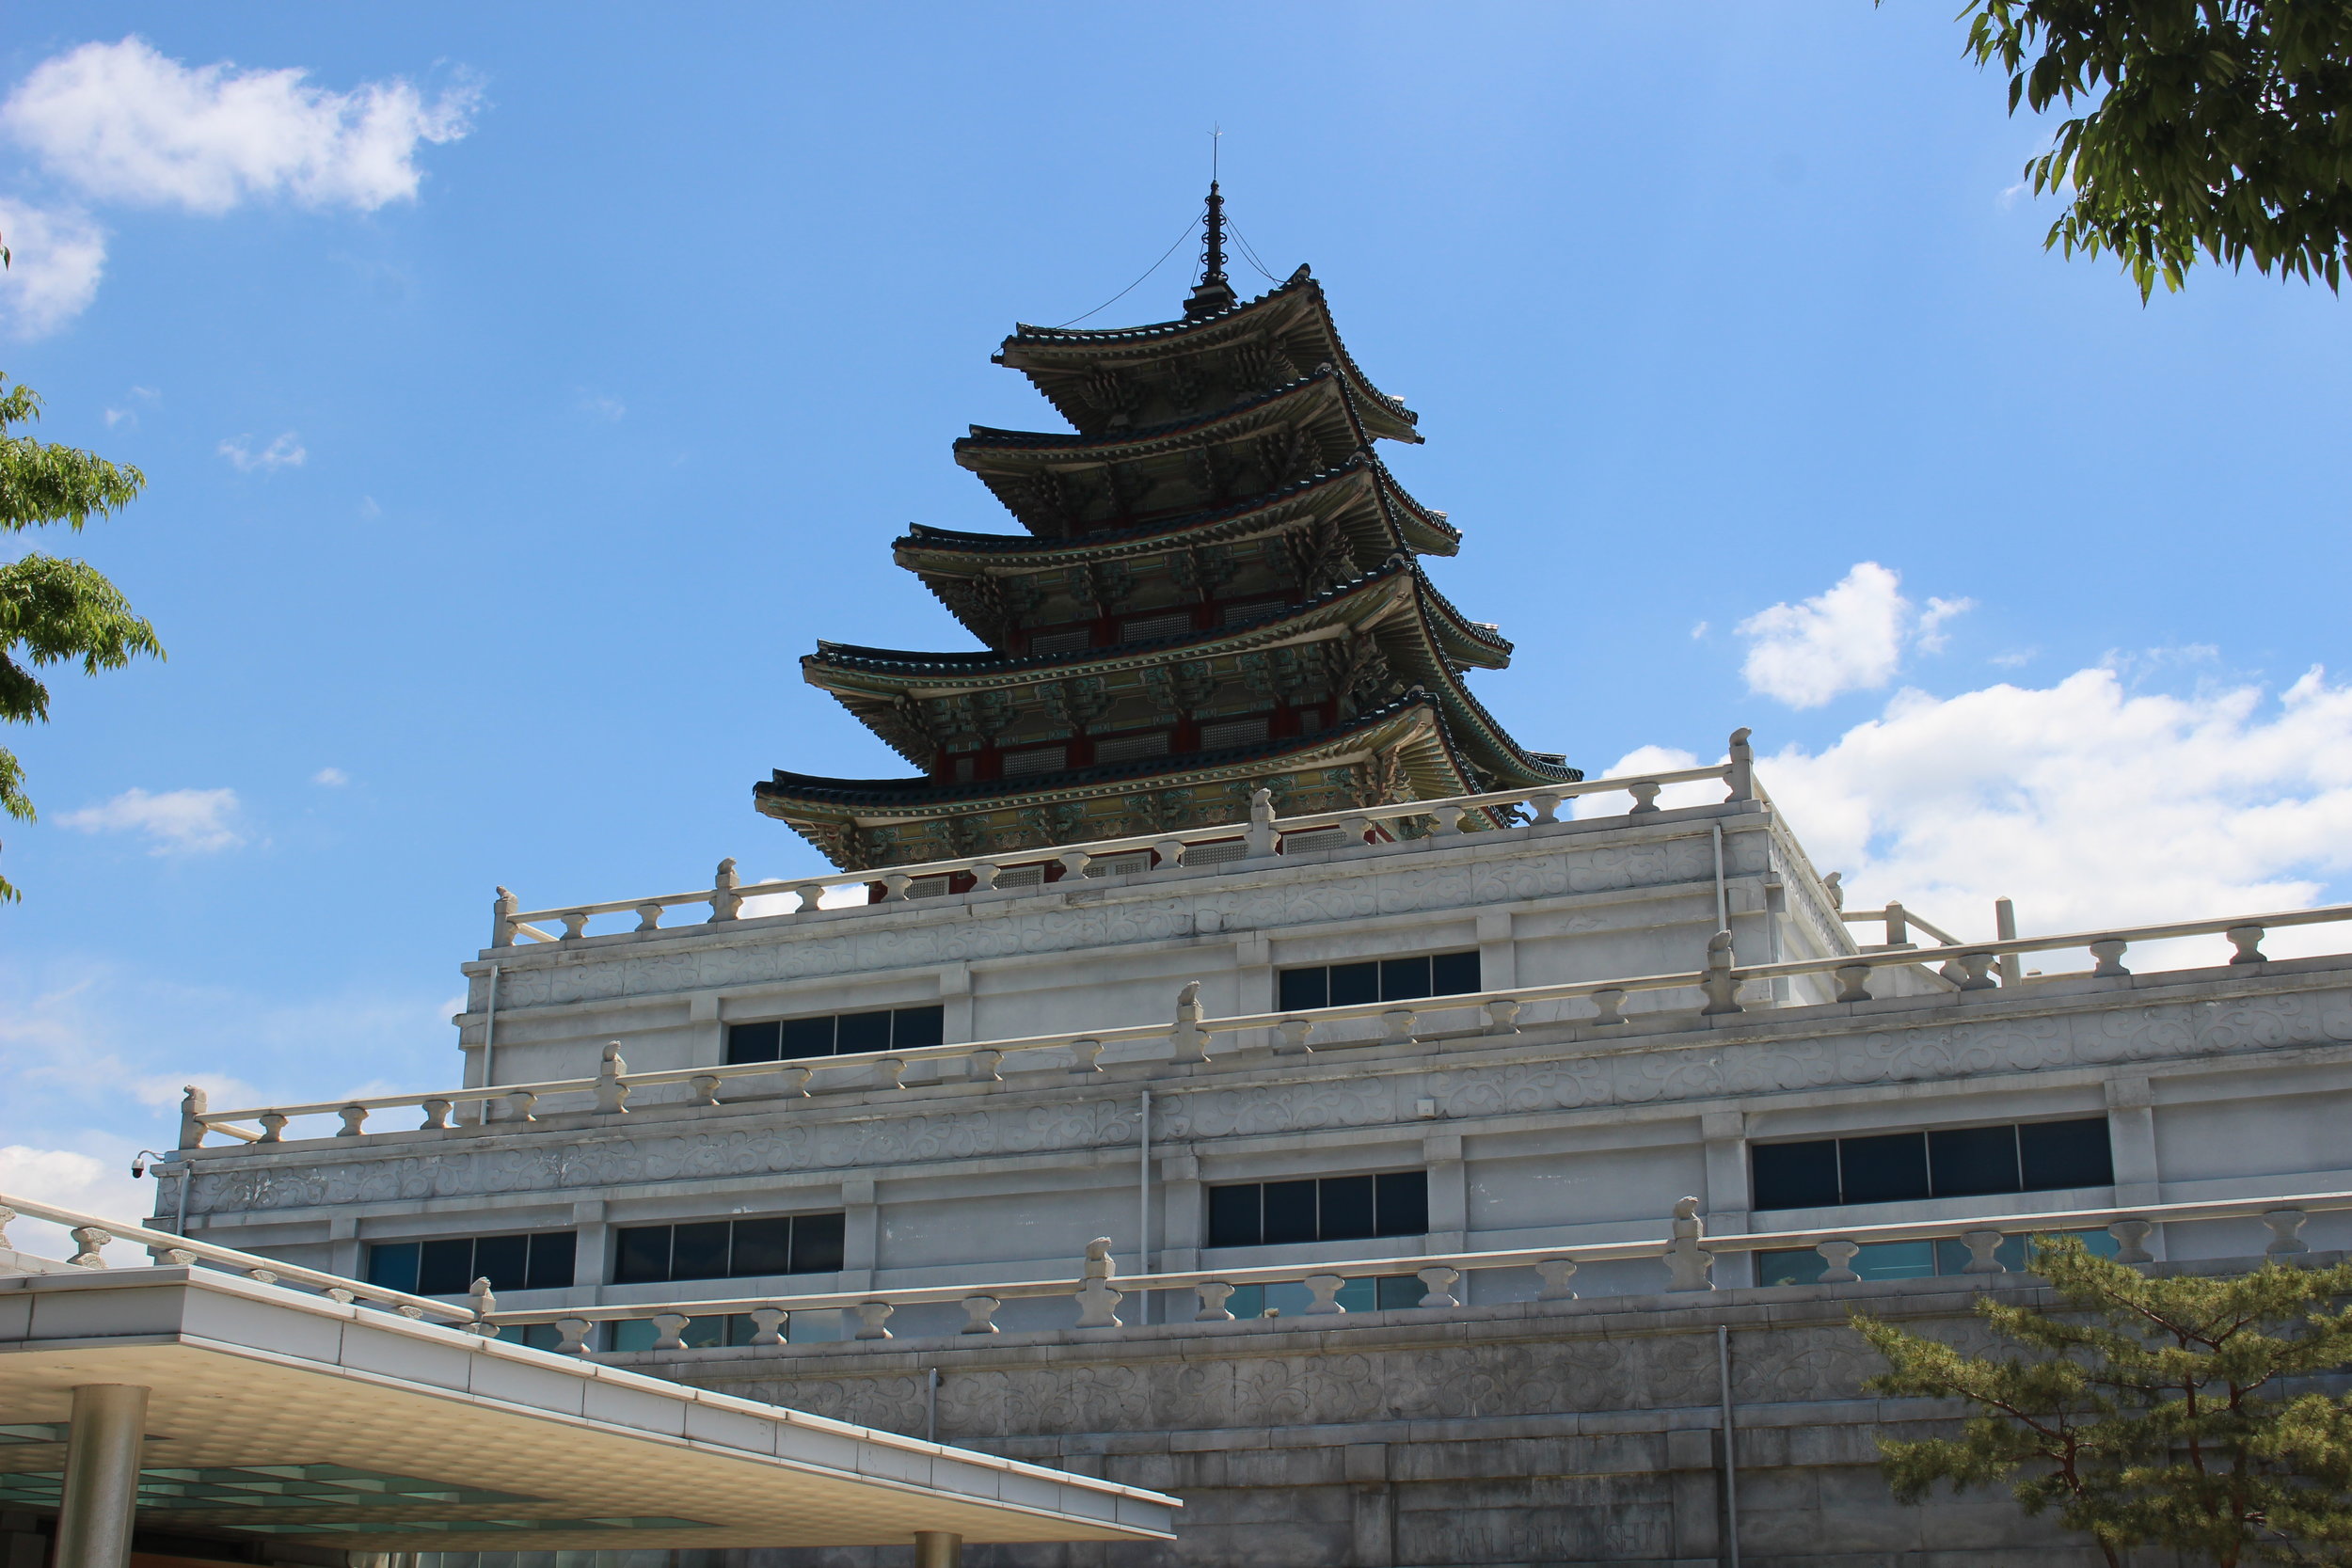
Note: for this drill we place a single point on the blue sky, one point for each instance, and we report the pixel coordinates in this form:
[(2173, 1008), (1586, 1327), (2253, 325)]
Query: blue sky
[(523, 388)]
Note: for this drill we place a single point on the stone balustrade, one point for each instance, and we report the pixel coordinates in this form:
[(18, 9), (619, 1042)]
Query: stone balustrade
[(1687, 1255), (1265, 833), (1970, 967), (92, 1234)]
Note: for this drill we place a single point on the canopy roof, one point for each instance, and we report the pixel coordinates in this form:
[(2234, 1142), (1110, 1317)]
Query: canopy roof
[(274, 1413)]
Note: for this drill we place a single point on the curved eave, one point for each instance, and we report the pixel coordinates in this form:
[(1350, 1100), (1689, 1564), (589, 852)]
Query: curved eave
[(1300, 288), (1472, 641), (898, 669), (888, 800), (1131, 446), (1358, 480), (1477, 734)]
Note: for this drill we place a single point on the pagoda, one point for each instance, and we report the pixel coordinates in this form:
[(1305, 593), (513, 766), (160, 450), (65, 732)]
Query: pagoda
[(1218, 591)]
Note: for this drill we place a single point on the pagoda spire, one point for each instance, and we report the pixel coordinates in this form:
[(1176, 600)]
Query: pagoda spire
[(1213, 293)]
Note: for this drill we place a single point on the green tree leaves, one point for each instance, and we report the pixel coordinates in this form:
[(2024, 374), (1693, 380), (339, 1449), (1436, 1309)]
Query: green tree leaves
[(2147, 1410), (51, 611), (2214, 126)]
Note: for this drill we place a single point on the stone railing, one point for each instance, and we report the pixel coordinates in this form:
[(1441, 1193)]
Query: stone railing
[(90, 1235), (1687, 1253), (1968, 967), (1265, 833)]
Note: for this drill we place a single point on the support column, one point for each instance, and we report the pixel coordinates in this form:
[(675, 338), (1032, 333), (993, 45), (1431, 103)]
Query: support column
[(938, 1548), (1728, 1202), (1449, 1193), (707, 1031), (2131, 1143), (954, 1004), (861, 1233), (102, 1476), (1498, 955)]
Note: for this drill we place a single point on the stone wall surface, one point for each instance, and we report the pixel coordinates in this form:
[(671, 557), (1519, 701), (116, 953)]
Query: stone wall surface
[(1561, 1434)]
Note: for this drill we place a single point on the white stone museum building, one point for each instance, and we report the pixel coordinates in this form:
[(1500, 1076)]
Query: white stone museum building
[(1233, 1069)]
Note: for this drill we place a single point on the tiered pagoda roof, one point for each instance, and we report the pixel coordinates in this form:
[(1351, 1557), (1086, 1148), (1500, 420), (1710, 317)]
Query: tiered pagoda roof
[(1218, 591)]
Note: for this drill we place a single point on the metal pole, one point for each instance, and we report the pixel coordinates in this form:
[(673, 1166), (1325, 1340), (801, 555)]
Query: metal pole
[(1143, 1204), (930, 1406), (1731, 1462), (1723, 899), (102, 1476), (490, 1038), (938, 1548)]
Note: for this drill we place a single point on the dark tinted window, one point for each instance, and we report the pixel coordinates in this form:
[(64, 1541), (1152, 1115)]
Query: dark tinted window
[(1384, 980), (1969, 1161), (1889, 1168), (1335, 1209), (728, 1249), (2065, 1154), (449, 1265), (835, 1035), (1795, 1175), (1234, 1217), (1955, 1162)]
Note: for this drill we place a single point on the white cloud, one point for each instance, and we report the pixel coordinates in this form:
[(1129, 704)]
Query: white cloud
[(123, 122), (178, 821), (2088, 804), (287, 451), (78, 1182), (334, 778), (602, 406), (1850, 639), (129, 414), (1698, 631), (369, 511), (57, 257)]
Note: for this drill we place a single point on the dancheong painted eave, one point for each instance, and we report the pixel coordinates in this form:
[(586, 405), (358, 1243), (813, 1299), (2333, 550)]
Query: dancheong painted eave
[(1077, 369)]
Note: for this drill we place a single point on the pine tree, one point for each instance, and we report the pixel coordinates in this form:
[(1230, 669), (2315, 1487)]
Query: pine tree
[(2168, 1411), (53, 610)]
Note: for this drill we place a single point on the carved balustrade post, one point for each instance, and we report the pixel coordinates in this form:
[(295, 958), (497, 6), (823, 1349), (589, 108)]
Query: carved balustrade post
[(1437, 1282), (1448, 822), (89, 1242), (1259, 836), (705, 1088), (574, 924), (1396, 1025), (1074, 863), (1690, 1266), (1325, 1289), (668, 1330), (1608, 1005), (1837, 1261), (768, 1324), (193, 1103), (1295, 1033), (503, 912), (484, 1302), (1897, 924), (1189, 1041), (979, 1315), (355, 1121), (1741, 777), (612, 1094), (1083, 1055), (1355, 830), (984, 876), (984, 1066), (724, 900), (2131, 1241), (890, 1072), (1098, 1302), (1171, 852), (1556, 1274), (2246, 942), (521, 1105), (1214, 1295), (7, 1214), (812, 896), (1975, 972), (1547, 806), (335, 1293), (1720, 984), (1502, 1015), (795, 1081), (1984, 1247), (2286, 1227), (262, 1277), (573, 1336), (2109, 954), (1853, 982), (273, 1128), (1644, 793), (871, 1317), (649, 917), (435, 1115)]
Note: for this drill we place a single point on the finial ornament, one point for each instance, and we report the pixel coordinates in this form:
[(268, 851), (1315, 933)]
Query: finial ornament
[(1213, 293)]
